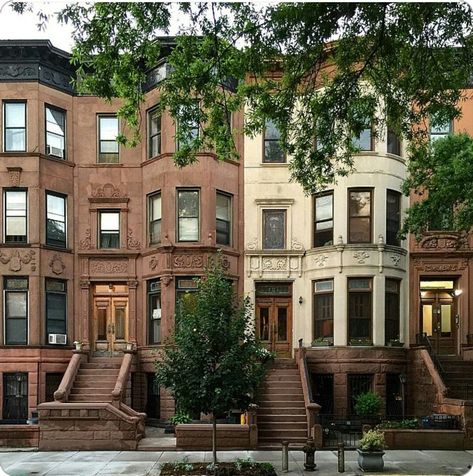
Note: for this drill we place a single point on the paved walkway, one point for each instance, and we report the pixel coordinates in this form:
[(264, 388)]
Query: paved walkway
[(147, 463)]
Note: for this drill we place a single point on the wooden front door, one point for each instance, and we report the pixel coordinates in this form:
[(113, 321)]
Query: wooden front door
[(274, 324), (438, 320), (110, 320)]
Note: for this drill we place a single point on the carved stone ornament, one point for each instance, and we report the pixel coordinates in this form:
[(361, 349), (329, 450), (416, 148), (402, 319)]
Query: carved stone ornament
[(153, 263), (395, 259), (56, 264), (131, 242), (439, 267), (17, 259), (361, 256), (274, 264), (320, 260), (297, 245), (84, 284), (85, 243), (107, 191), (188, 261), (108, 266), (15, 176), (251, 245), (132, 284), (225, 263), (443, 241), (166, 279)]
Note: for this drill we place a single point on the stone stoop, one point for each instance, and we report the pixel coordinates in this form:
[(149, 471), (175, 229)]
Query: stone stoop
[(281, 409), (91, 419), (458, 376)]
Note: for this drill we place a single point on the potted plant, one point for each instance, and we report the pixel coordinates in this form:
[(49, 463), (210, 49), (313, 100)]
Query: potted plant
[(368, 406), (370, 452), (322, 342), (177, 419), (395, 343)]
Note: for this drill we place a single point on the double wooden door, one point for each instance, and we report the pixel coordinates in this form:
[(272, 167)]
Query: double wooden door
[(110, 321), (438, 320), (274, 324)]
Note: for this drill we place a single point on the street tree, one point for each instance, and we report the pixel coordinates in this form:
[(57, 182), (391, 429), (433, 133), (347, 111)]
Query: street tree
[(213, 362), (322, 72), (441, 178)]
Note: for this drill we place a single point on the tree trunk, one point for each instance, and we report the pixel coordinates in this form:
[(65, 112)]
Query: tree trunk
[(214, 438)]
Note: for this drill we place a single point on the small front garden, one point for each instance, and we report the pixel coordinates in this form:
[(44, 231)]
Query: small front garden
[(238, 468)]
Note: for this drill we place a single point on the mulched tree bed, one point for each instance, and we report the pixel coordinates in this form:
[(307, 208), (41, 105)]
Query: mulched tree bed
[(239, 468)]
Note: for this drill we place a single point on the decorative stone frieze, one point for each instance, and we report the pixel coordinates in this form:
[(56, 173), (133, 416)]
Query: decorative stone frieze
[(361, 256), (188, 261), (267, 265), (86, 242), (443, 241), (440, 266), (108, 266), (16, 259)]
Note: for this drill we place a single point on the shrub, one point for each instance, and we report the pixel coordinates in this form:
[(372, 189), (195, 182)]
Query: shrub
[(372, 440), (180, 417), (409, 424), (368, 404)]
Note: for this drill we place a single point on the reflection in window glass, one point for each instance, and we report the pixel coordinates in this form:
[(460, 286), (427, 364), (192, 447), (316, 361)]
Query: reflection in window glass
[(273, 152), (14, 126), (188, 215), (55, 132), (359, 225), (108, 145), (223, 219), (274, 229), (323, 228)]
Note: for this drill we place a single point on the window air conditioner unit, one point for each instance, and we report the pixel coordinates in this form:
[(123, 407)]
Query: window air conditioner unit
[(55, 151), (57, 339)]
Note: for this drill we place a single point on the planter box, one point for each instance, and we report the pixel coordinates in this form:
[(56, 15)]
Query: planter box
[(199, 437), (371, 460), (418, 439)]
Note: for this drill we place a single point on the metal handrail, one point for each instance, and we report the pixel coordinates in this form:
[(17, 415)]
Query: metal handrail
[(423, 338)]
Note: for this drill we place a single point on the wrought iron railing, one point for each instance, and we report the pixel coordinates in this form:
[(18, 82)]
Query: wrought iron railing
[(423, 339)]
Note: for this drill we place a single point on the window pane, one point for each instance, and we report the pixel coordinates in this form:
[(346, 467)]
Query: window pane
[(188, 229), (264, 323), (360, 203), (323, 207), (56, 313), (360, 230), (274, 229), (273, 152), (271, 131), (120, 323), (108, 128), (109, 240), (394, 144), (54, 140), (154, 122), (282, 324), (15, 139), (55, 207), (223, 206), (188, 203), (363, 142), (155, 207), (16, 304), (108, 147), (55, 121), (109, 221), (393, 218), (16, 226), (15, 114)]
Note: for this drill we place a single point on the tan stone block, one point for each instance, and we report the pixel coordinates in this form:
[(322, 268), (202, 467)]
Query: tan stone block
[(101, 435)]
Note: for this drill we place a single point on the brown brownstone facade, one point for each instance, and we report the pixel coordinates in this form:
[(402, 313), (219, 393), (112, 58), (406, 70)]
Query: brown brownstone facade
[(95, 286)]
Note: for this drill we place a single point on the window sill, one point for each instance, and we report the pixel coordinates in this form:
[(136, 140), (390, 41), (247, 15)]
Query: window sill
[(15, 245), (106, 164), (46, 246), (274, 164)]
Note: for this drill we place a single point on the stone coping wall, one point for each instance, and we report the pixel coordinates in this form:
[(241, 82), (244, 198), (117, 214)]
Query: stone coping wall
[(19, 436), (89, 426), (229, 436), (401, 439)]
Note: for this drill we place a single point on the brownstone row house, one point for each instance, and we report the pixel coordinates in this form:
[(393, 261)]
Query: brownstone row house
[(99, 242)]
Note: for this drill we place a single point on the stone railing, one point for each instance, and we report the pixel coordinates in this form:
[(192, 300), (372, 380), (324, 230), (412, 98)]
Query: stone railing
[(62, 393), (314, 429), (122, 379)]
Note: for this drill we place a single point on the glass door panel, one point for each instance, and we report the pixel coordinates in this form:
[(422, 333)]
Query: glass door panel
[(282, 324), (264, 325), (427, 317), (446, 320)]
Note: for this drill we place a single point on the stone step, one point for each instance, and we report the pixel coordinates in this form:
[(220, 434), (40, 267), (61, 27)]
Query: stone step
[(94, 383), (296, 397), (98, 372), (90, 391), (89, 398), (281, 404), (279, 417), (264, 440), (279, 389), (101, 366), (281, 425), (287, 410)]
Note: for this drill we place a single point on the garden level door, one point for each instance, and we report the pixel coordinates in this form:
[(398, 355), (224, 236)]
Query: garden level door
[(274, 324), (110, 318), (438, 320)]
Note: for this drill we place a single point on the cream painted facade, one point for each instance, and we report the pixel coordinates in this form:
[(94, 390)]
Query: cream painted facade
[(267, 186)]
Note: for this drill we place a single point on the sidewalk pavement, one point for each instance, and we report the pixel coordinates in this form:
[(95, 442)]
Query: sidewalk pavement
[(148, 463)]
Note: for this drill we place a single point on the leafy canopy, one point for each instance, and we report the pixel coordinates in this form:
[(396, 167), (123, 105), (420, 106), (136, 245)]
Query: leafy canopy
[(441, 177), (320, 71), (213, 363)]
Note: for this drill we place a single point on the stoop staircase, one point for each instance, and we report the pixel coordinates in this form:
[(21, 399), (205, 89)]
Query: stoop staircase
[(281, 411), (95, 380), (457, 376)]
